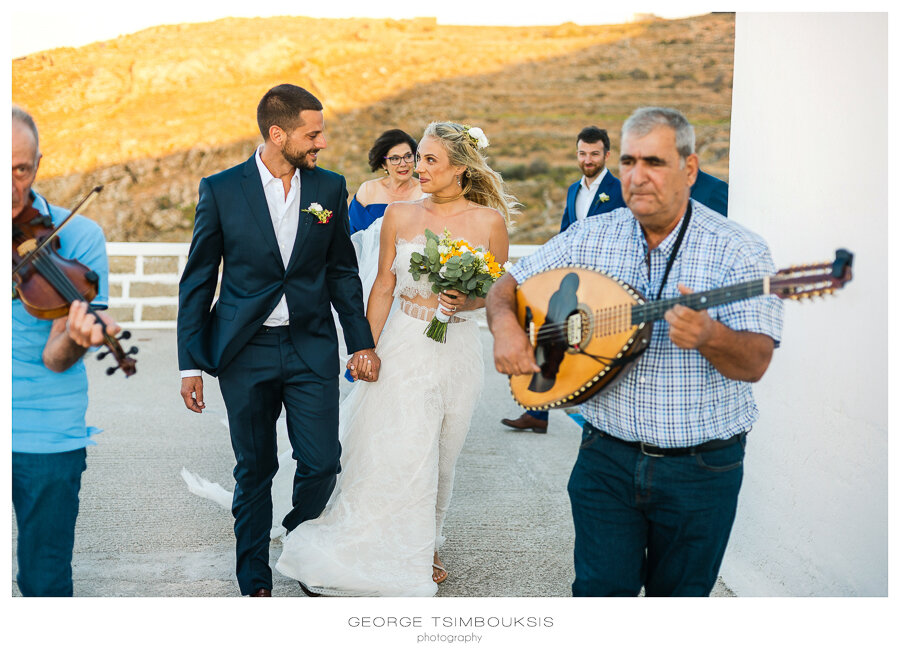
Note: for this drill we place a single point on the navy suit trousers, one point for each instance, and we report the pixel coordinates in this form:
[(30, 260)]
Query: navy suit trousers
[(266, 374)]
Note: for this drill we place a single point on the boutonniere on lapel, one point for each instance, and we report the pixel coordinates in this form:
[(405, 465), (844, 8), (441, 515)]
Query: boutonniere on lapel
[(321, 214), (603, 197)]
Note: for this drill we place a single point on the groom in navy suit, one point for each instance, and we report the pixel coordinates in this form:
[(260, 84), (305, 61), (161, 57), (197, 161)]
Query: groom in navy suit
[(598, 191), (278, 225)]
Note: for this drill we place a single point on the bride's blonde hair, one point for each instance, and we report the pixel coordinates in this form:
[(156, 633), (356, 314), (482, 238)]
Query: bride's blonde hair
[(480, 183)]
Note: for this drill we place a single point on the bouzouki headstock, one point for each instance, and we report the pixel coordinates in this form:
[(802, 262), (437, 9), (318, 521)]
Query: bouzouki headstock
[(818, 279)]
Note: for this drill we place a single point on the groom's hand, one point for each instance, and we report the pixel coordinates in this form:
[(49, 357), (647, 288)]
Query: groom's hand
[(364, 365), (192, 393)]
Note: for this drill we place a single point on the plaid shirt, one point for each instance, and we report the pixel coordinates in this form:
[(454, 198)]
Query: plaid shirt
[(671, 397)]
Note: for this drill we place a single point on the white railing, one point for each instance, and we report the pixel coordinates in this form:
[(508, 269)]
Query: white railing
[(143, 280)]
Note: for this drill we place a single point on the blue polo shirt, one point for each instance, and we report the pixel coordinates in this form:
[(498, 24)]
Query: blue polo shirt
[(48, 408)]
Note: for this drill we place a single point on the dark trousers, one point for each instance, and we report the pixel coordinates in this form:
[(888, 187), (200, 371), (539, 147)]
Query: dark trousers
[(543, 415), (45, 498), (657, 522), (265, 375)]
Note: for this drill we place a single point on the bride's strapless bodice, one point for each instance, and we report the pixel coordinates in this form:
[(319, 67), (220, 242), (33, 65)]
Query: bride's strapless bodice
[(406, 285), (407, 288)]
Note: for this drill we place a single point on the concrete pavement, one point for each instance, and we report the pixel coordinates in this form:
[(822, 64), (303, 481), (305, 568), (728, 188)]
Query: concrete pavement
[(140, 532)]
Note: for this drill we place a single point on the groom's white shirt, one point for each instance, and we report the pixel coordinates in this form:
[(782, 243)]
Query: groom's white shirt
[(285, 215)]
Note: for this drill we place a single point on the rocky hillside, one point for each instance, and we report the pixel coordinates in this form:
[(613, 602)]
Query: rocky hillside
[(149, 114)]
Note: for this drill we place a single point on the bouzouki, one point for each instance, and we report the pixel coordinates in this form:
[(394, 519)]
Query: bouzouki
[(587, 327)]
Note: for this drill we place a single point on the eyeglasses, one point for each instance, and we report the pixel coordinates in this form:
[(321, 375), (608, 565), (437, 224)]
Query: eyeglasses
[(395, 159)]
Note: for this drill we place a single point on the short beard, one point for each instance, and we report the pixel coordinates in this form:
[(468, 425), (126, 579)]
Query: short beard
[(299, 162), (599, 169)]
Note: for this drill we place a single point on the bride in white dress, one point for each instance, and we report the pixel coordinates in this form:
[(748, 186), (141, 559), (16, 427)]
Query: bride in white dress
[(401, 436)]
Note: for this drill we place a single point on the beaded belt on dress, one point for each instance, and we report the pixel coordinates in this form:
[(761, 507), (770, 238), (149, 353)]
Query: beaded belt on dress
[(424, 313)]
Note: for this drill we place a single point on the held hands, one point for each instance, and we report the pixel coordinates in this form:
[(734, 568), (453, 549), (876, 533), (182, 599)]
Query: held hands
[(364, 365), (83, 328), (689, 329)]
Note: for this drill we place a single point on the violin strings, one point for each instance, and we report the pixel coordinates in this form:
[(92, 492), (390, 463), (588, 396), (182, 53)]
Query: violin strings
[(67, 290)]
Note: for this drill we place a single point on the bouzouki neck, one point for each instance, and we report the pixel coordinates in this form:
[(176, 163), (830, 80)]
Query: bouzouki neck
[(799, 282)]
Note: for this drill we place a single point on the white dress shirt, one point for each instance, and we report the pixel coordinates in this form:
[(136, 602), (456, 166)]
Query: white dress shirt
[(285, 215), (585, 196)]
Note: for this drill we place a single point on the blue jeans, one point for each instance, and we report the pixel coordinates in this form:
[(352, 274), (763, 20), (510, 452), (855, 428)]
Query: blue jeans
[(657, 522), (45, 497)]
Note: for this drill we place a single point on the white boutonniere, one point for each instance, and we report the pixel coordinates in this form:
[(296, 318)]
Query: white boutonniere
[(321, 214), (603, 197)]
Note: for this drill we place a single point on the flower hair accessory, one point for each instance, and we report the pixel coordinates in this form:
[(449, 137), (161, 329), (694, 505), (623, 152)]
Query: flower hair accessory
[(476, 135), (323, 215)]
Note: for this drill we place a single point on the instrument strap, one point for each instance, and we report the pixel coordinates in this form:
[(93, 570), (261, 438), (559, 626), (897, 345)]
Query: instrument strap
[(675, 248)]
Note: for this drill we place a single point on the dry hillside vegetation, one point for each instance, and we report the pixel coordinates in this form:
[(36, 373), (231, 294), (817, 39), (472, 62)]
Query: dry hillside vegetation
[(149, 114)]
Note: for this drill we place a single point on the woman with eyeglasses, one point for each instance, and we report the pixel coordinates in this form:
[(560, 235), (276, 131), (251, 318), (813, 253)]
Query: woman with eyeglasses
[(394, 152)]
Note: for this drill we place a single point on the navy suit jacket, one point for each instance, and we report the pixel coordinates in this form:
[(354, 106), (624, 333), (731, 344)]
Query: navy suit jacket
[(611, 186), (711, 192), (232, 226)]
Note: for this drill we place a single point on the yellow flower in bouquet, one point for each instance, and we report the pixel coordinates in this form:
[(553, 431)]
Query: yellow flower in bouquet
[(453, 265)]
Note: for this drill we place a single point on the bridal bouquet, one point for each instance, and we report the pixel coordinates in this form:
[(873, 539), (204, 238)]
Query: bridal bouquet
[(453, 265)]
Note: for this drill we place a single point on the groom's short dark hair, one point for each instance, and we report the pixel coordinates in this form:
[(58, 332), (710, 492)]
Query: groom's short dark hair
[(281, 106)]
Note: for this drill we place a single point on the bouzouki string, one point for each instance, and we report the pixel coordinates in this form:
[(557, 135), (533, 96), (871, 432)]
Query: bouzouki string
[(555, 329)]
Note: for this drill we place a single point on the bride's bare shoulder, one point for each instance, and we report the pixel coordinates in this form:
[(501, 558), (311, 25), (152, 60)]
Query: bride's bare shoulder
[(403, 210), (490, 215)]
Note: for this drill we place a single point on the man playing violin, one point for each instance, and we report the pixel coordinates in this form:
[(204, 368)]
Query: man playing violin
[(655, 486), (49, 391)]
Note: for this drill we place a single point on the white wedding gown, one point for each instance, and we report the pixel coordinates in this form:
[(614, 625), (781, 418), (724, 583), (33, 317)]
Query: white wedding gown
[(400, 438)]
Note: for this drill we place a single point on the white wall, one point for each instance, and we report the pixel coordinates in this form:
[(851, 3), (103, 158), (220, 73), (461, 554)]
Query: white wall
[(809, 173)]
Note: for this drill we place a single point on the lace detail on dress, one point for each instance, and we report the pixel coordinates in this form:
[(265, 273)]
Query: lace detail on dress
[(424, 313), (406, 285)]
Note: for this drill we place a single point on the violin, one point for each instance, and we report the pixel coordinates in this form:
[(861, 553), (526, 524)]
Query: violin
[(47, 283)]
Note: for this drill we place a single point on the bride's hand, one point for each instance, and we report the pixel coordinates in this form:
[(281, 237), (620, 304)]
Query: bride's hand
[(452, 301)]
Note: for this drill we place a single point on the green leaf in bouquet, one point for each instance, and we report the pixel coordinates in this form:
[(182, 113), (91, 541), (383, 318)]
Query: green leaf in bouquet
[(467, 274), (416, 258)]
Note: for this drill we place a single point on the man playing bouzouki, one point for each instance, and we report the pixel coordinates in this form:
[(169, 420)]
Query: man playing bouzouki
[(654, 488)]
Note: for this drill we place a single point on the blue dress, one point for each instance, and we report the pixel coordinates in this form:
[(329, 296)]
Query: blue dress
[(361, 217)]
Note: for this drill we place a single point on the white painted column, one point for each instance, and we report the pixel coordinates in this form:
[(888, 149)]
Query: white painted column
[(809, 172)]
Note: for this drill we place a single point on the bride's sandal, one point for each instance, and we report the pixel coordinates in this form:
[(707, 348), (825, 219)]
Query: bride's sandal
[(439, 574)]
